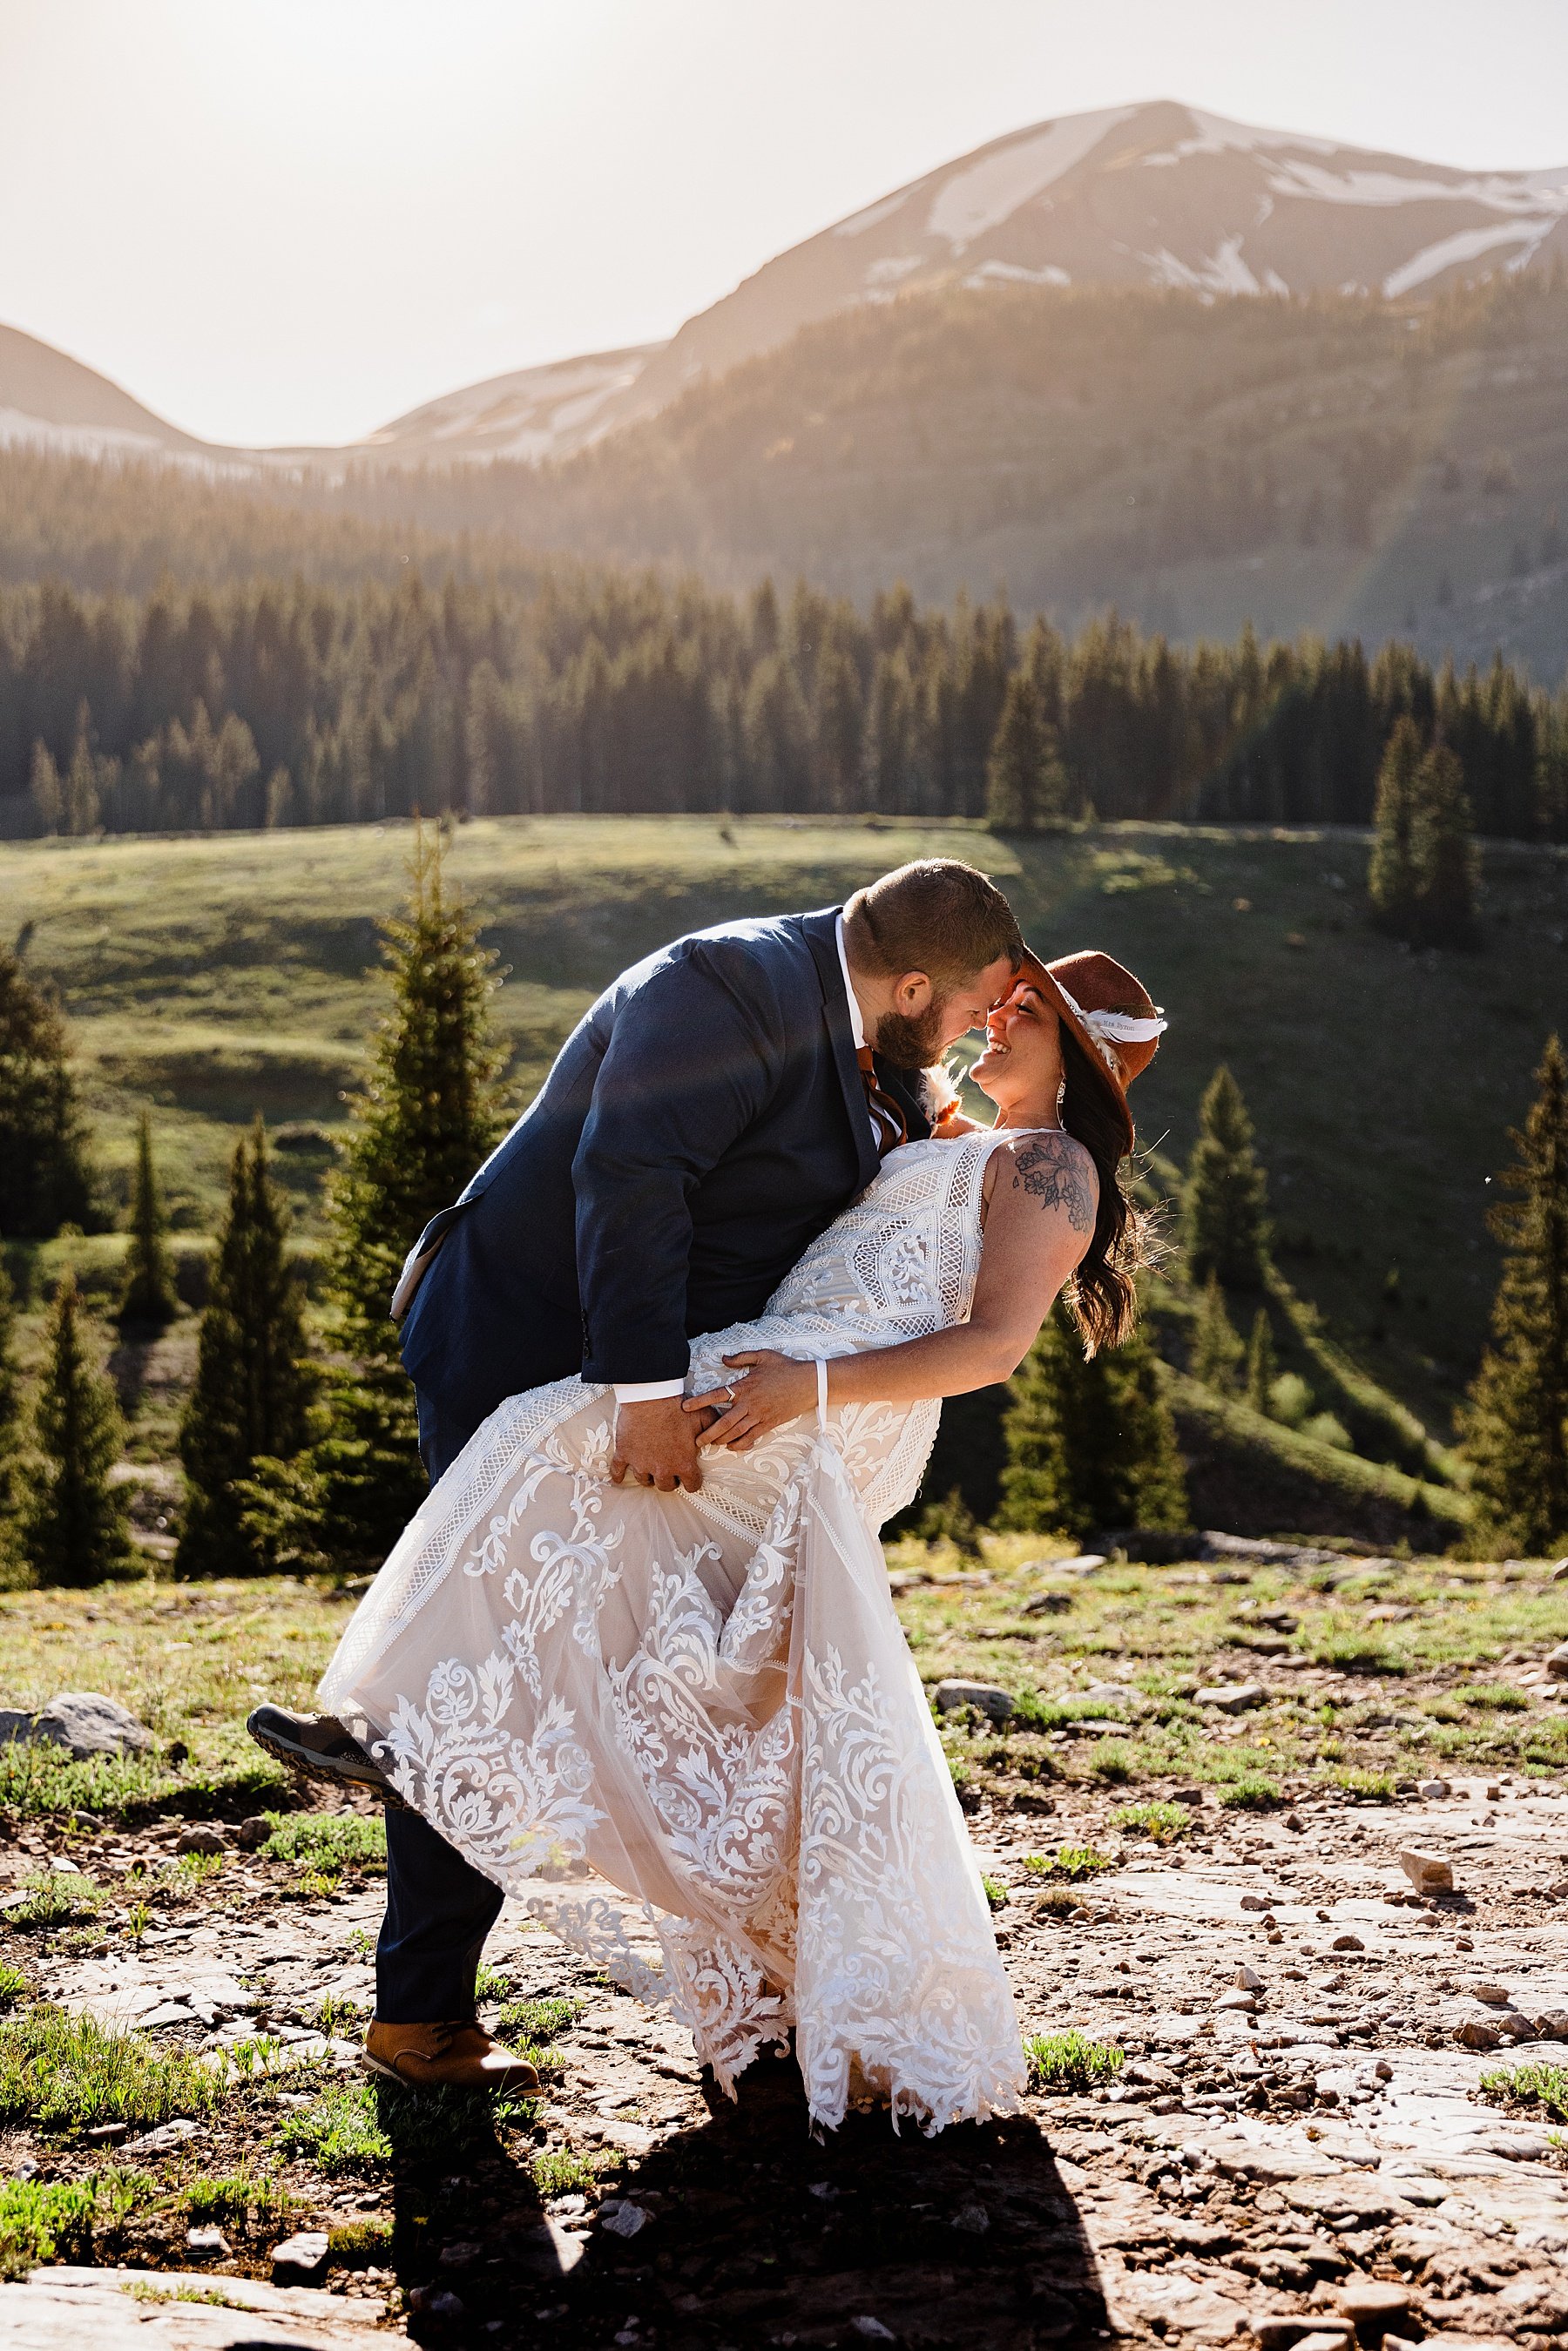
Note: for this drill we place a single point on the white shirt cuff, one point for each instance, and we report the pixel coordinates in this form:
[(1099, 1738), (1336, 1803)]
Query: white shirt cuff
[(647, 1390)]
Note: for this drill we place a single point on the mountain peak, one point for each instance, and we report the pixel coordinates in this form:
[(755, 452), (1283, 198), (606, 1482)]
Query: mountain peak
[(1155, 193)]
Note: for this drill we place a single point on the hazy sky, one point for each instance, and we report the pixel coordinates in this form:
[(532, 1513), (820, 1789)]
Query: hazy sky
[(290, 220)]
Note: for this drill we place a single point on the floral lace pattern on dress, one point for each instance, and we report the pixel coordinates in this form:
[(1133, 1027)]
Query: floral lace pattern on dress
[(708, 1698)]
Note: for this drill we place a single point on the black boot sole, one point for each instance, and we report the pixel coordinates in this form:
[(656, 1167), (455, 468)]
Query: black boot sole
[(322, 1769)]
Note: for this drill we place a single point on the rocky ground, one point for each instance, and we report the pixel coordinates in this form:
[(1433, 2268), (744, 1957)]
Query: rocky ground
[(1310, 2137)]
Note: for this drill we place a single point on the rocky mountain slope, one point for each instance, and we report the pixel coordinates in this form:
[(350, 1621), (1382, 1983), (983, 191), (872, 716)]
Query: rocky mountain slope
[(1159, 195)]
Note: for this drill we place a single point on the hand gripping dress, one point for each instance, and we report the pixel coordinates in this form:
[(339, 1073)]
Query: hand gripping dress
[(708, 1696)]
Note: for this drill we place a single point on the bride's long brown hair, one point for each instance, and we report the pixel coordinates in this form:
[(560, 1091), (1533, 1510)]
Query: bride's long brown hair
[(1103, 1294)]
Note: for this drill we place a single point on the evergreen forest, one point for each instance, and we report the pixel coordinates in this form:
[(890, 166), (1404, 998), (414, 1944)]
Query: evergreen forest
[(280, 704)]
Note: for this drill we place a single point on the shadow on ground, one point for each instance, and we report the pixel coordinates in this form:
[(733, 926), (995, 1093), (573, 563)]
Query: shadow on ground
[(755, 2233)]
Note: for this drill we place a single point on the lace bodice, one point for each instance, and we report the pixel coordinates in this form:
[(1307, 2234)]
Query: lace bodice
[(901, 1261)]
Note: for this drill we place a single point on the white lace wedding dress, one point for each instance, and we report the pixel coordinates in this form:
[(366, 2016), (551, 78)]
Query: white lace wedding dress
[(709, 1695)]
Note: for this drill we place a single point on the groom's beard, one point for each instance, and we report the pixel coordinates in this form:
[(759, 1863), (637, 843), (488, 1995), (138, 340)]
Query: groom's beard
[(910, 1044)]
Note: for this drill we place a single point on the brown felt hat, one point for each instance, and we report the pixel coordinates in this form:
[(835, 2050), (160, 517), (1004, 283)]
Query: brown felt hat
[(1109, 1012)]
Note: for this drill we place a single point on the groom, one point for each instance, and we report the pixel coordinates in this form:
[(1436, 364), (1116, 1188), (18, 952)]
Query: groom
[(706, 1119)]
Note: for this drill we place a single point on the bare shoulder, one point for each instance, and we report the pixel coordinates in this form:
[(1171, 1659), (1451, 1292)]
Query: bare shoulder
[(1052, 1170)]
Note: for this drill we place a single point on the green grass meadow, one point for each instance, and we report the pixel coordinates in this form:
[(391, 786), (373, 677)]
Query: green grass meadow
[(208, 978)]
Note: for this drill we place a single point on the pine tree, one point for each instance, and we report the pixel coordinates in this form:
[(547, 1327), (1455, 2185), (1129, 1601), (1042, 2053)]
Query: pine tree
[(1217, 1353), (1026, 783), (73, 1528), (45, 791), (1090, 1442), (1442, 854), (431, 1111), (10, 1413), (1263, 1363), (253, 1387), (1514, 1428), (1391, 874), (1421, 881), (1223, 1203), (149, 1298), (46, 1178), (428, 1116)]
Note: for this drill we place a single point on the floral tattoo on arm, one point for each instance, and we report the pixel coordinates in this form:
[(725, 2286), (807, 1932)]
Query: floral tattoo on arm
[(1051, 1170)]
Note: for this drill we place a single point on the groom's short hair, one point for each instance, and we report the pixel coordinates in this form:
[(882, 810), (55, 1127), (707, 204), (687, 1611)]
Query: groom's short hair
[(937, 916)]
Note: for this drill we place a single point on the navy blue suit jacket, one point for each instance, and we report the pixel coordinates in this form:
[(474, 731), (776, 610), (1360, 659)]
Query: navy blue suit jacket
[(701, 1124)]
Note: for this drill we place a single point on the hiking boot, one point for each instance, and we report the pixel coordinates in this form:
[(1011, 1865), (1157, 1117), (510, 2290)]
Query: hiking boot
[(447, 2057), (317, 1747)]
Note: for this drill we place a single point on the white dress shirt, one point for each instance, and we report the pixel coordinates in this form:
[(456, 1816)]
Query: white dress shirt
[(650, 1391)]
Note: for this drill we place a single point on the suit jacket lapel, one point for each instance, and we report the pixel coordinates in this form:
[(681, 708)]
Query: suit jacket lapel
[(821, 937), (903, 1085)]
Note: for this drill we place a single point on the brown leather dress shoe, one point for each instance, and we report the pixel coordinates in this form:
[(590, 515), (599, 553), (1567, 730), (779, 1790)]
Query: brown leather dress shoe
[(447, 2057)]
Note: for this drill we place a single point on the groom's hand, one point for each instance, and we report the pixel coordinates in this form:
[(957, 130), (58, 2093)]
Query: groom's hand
[(656, 1444)]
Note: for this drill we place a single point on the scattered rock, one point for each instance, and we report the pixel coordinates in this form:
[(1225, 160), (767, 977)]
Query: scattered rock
[(1246, 1978), (84, 1722), (1114, 1694), (1084, 1565), (200, 1839), (1434, 1789), (1492, 1995), (985, 1697), (546, 2251), (972, 2219), (1557, 1662), (1560, 1573), (1229, 2000), (1255, 1902), (623, 2218), (1152, 1546), (1368, 2299), (208, 2244), (300, 2260), (1475, 2032), (436, 2302), (1429, 1872), (1289, 2330), (1230, 1698), (1348, 1943), (161, 2141), (872, 2330), (253, 1833)]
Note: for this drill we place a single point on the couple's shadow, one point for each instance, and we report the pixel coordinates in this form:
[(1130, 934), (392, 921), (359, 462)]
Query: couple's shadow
[(743, 2229)]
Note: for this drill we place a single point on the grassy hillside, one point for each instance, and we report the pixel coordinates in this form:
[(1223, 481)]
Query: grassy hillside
[(213, 977)]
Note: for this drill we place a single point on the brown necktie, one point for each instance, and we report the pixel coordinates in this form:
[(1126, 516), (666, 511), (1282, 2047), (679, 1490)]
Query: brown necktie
[(885, 1115)]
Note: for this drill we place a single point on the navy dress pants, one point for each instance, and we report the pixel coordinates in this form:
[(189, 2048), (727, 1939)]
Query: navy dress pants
[(439, 1908)]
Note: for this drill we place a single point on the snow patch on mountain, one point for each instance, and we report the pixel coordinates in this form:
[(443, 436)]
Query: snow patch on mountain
[(1467, 244), (527, 416), (970, 201), (1221, 272), (1013, 273), (1365, 189), (1215, 135)]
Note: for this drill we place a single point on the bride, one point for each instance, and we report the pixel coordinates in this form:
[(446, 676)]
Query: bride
[(706, 1696)]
